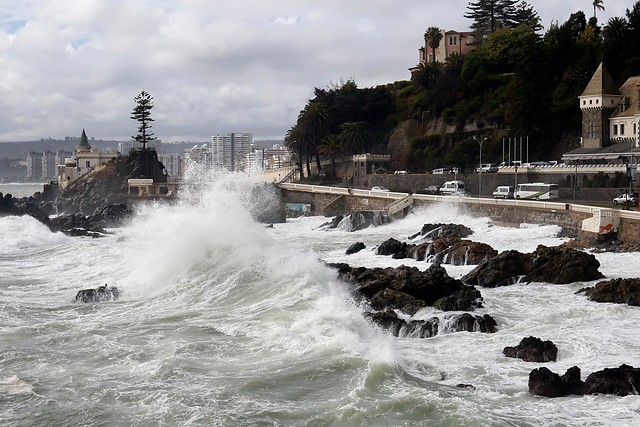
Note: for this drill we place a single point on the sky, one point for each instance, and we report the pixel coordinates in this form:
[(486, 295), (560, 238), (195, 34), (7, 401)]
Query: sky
[(212, 67)]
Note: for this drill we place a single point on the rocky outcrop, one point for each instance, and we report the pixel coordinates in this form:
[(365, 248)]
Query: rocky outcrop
[(436, 231), (546, 264), (621, 381), (99, 294), (533, 349), (620, 291), (543, 382), (355, 248), (444, 250), (433, 326), (408, 289), (359, 220)]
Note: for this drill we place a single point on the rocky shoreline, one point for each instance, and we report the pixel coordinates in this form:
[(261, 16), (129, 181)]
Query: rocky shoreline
[(394, 295)]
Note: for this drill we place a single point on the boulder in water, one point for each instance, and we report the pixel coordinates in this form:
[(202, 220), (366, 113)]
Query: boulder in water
[(533, 349), (621, 381), (356, 247), (558, 264), (620, 291), (99, 294)]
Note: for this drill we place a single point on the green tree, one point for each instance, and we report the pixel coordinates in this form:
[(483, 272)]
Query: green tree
[(313, 121), (432, 38), (293, 142), (331, 148), (489, 15), (142, 114), (354, 136), (597, 4), (525, 14)]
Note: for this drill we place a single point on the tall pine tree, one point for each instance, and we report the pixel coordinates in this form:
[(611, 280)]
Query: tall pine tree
[(489, 15), (142, 114)]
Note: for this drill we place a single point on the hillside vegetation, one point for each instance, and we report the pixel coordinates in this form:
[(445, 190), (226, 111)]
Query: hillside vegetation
[(520, 83)]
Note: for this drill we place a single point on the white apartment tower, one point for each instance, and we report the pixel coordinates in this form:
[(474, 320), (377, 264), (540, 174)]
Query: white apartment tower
[(231, 149)]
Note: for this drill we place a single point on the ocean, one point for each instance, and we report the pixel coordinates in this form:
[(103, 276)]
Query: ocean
[(226, 322)]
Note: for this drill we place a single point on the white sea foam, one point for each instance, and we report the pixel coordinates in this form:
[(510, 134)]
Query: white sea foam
[(225, 322)]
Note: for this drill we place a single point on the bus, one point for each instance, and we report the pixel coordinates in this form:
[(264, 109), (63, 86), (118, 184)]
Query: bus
[(537, 191)]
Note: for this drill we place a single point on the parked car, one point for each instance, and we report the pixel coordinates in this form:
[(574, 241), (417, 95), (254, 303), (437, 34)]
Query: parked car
[(503, 192), (625, 198), (432, 189), (487, 167), (452, 187), (379, 188), (440, 171), (400, 172)]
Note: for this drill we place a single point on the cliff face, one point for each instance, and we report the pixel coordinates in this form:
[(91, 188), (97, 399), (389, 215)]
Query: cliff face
[(399, 145)]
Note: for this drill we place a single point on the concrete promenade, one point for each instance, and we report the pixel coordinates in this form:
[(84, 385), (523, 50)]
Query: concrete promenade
[(579, 220)]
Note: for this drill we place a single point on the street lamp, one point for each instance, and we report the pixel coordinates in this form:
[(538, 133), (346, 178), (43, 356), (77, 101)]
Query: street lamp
[(475, 137)]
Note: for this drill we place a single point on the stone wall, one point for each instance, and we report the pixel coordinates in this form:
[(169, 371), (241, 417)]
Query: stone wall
[(566, 217)]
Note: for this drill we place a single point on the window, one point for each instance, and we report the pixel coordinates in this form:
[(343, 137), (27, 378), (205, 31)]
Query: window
[(634, 129), (597, 101), (584, 102), (621, 129), (615, 129), (88, 164), (590, 101), (592, 130)]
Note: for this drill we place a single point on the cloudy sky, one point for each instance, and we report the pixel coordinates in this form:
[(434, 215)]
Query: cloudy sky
[(212, 67)]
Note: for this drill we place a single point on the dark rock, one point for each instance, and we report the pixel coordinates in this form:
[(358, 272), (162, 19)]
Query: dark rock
[(421, 328), (359, 220), (387, 319), (427, 286), (392, 247), (460, 300), (396, 300), (621, 291), (435, 231), (470, 323), (532, 349), (456, 251), (356, 247), (551, 265), (101, 293), (621, 381), (562, 265), (543, 382), (501, 270)]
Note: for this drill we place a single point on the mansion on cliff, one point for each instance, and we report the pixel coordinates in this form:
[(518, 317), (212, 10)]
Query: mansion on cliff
[(610, 121)]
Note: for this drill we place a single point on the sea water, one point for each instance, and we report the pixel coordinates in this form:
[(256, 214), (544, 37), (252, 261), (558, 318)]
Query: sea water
[(226, 322)]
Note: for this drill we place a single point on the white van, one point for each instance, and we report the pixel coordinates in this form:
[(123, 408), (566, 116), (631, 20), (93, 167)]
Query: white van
[(503, 192), (451, 187)]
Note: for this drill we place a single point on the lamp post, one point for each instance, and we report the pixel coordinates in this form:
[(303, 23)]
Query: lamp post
[(480, 168)]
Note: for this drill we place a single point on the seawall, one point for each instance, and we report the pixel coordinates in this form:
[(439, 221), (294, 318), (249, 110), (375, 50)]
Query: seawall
[(331, 201)]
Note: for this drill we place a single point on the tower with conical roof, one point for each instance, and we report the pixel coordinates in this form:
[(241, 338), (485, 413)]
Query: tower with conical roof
[(83, 146), (598, 102)]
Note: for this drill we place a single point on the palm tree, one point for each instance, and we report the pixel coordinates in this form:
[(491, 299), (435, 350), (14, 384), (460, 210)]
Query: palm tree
[(354, 136), (597, 4), (331, 147), (293, 141), (614, 33), (432, 38), (313, 122)]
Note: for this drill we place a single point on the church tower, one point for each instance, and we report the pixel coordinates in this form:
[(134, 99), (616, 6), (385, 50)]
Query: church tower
[(598, 102), (83, 146)]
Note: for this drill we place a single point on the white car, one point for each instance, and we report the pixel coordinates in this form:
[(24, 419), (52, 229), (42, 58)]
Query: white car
[(379, 188), (624, 198)]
